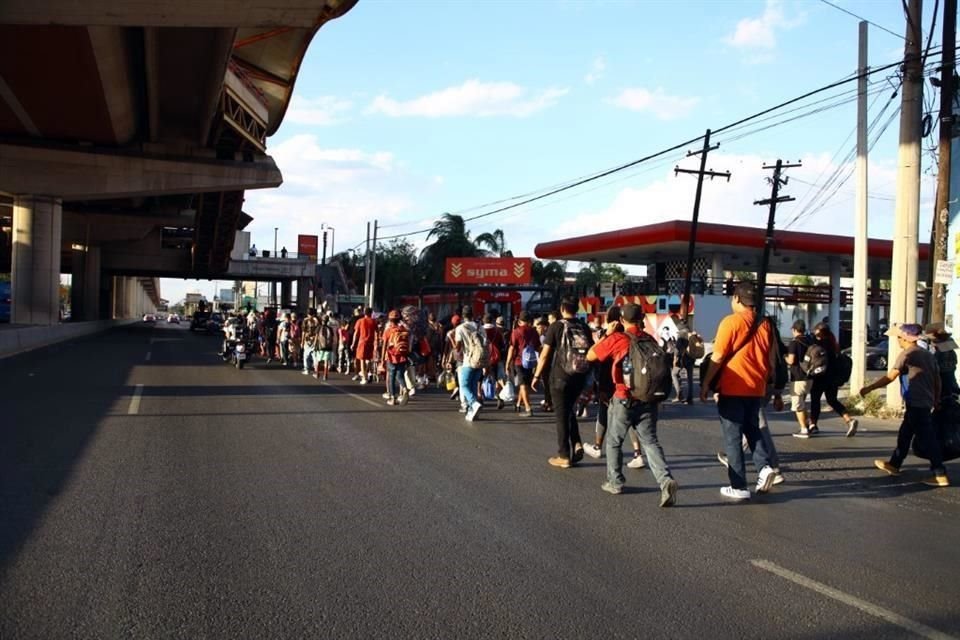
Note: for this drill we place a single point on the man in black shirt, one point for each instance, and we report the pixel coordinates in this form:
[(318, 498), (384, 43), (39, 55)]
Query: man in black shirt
[(565, 388), (799, 383)]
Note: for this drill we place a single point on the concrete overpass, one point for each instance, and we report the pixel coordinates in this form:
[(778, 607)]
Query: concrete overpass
[(129, 133)]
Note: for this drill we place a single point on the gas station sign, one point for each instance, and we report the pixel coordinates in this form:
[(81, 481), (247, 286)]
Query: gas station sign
[(488, 271)]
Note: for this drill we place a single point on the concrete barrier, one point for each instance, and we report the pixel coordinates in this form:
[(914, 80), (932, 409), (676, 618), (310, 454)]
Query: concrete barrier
[(14, 340)]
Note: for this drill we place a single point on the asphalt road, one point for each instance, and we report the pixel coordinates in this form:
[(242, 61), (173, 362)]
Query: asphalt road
[(217, 503)]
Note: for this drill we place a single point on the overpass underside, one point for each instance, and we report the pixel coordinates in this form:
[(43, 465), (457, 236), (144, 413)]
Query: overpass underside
[(129, 135)]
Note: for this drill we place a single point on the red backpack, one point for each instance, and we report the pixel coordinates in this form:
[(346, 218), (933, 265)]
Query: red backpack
[(494, 340), (399, 345)]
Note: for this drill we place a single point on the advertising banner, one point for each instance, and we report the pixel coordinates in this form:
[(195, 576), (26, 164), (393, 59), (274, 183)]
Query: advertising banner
[(307, 246), (488, 271)]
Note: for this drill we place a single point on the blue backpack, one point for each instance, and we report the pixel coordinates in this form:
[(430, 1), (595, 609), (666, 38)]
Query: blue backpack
[(529, 357)]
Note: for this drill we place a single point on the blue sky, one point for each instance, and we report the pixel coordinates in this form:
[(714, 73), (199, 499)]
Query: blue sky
[(405, 110)]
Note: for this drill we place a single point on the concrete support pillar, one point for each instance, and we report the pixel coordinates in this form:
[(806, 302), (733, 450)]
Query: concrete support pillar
[(874, 309), (286, 294), (35, 271), (77, 285), (305, 294), (834, 313), (91, 285), (716, 274)]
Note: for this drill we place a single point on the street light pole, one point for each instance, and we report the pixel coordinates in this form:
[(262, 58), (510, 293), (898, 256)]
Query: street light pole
[(273, 285)]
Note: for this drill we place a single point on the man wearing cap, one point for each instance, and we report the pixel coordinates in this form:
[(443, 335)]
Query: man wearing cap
[(625, 412), (741, 363), (916, 369)]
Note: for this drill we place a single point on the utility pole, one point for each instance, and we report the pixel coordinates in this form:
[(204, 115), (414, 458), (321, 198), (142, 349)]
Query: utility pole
[(366, 266), (859, 339), (941, 215), (903, 284), (701, 173), (373, 264), (775, 198)]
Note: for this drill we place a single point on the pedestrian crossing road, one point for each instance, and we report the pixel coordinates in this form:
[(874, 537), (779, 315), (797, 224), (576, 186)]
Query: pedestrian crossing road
[(149, 491)]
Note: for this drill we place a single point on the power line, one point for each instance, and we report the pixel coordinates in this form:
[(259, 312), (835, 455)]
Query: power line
[(686, 143), (850, 13)]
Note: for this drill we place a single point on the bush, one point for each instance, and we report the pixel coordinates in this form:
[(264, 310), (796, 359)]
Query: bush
[(874, 406)]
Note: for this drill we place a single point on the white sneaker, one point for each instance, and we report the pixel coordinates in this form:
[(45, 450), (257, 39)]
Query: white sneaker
[(305, 372), (765, 479), (386, 396), (364, 381), (462, 409), (778, 477), (593, 450), (637, 463), (356, 378), (852, 427), (473, 411), (412, 391), (735, 494), (404, 398)]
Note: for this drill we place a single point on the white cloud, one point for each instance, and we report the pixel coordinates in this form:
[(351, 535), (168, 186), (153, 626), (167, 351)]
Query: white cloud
[(670, 197), (322, 111), (761, 33), (342, 188), (472, 98), (660, 104), (596, 70)]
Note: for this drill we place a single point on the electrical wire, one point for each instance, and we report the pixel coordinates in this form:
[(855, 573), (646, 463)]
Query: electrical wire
[(602, 174), (850, 13)]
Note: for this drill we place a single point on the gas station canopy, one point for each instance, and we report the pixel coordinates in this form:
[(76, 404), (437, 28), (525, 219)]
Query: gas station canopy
[(736, 248)]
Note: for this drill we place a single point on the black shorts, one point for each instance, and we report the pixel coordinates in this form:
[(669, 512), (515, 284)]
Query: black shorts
[(524, 376)]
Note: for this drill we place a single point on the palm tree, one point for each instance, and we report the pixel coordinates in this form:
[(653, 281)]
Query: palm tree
[(495, 243), (590, 277), (549, 273), (450, 240)]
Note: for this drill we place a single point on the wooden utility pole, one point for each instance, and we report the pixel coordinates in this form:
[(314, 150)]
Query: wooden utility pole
[(941, 215), (903, 284), (701, 173), (859, 339), (775, 198)]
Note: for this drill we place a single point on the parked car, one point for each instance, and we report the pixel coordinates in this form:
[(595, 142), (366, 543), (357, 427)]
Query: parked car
[(149, 317), (876, 354)]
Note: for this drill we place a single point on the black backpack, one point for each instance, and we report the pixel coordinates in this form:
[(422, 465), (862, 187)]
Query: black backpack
[(647, 370), (842, 368), (815, 361), (572, 353)]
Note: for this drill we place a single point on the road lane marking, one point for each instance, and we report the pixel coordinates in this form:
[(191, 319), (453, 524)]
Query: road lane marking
[(149, 353), (135, 401), (354, 395), (912, 626)]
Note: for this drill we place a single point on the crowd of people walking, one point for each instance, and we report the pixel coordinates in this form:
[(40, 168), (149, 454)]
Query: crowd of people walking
[(613, 364)]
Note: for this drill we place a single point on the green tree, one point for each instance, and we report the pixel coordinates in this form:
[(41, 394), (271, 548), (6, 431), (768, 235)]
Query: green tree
[(590, 277), (398, 273), (450, 240), (550, 273), (493, 244)]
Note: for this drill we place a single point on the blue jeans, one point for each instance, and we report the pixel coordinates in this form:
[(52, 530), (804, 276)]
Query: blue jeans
[(739, 418), (642, 416), (395, 373), (469, 378), (767, 438)]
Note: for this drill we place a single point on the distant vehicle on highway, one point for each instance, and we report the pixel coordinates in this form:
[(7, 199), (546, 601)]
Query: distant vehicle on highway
[(876, 354), (149, 317), (199, 321), (215, 324), (173, 319)]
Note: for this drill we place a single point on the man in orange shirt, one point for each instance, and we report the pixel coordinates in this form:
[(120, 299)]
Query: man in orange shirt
[(364, 338), (741, 364)]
